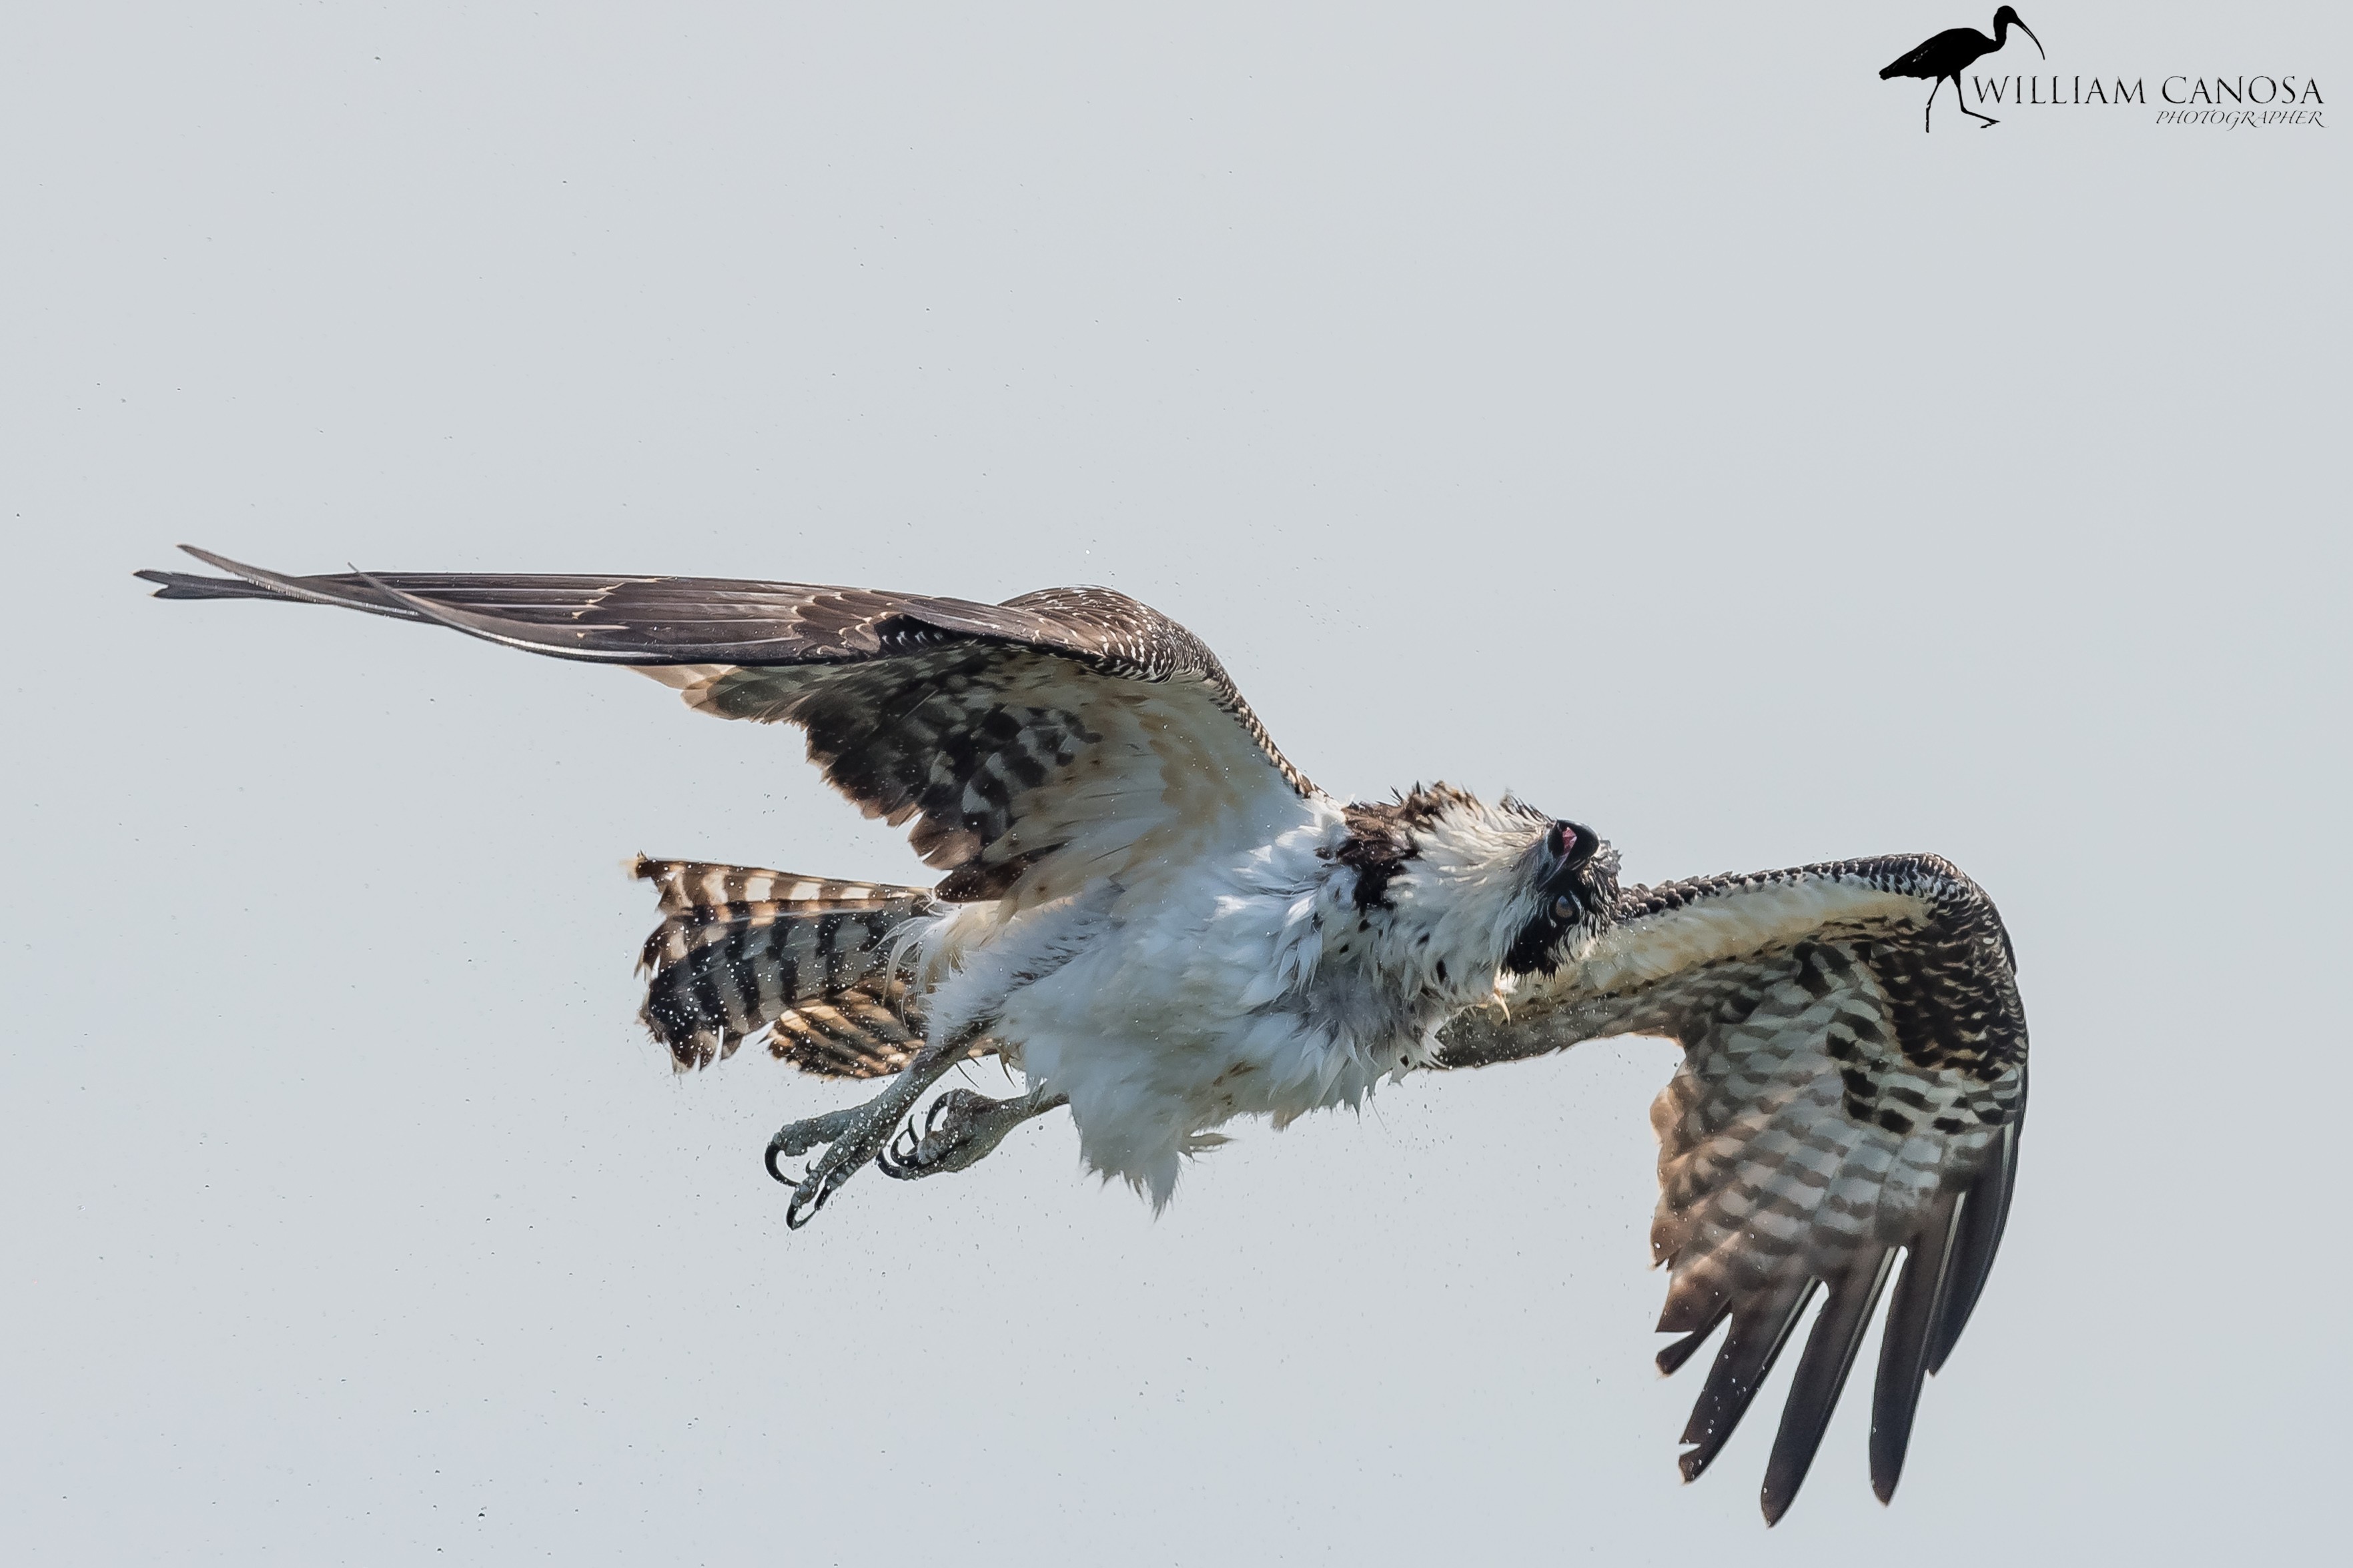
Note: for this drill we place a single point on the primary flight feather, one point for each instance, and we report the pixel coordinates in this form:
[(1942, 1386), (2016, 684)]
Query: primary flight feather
[(1156, 920)]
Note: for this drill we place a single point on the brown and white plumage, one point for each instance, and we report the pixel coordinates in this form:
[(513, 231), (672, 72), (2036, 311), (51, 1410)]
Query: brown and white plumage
[(1154, 918), (1852, 1086), (805, 961), (1059, 736)]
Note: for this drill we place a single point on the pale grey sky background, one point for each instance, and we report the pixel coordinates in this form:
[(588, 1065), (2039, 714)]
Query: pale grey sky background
[(1627, 405)]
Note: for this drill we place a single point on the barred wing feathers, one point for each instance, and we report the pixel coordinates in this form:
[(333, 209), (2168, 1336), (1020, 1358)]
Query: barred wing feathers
[(1852, 1085), (1035, 744)]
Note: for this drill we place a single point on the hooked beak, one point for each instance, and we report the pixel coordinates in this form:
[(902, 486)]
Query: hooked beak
[(1569, 899), (1577, 844), (2038, 43)]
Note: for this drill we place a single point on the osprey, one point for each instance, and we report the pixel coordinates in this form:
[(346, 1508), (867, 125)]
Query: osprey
[(1160, 924)]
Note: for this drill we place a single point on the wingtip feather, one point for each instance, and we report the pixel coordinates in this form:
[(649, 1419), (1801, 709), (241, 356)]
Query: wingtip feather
[(1821, 1377), (1912, 1319), (1741, 1367), (489, 628), (1670, 1360), (1985, 1215)]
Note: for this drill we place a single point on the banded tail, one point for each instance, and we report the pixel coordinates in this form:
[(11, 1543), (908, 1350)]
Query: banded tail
[(742, 950)]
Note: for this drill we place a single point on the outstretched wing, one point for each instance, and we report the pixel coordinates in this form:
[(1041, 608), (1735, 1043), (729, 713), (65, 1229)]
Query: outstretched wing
[(1036, 744), (1852, 1085)]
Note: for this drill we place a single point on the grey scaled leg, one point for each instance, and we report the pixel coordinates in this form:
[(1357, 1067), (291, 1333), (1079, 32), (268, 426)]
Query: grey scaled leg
[(960, 1131), (858, 1133)]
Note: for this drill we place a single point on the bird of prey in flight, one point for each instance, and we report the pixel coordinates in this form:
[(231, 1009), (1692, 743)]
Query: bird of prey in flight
[(1156, 920)]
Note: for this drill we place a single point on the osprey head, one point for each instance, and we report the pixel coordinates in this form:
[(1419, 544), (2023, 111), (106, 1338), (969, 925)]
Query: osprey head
[(1575, 874), (1455, 889)]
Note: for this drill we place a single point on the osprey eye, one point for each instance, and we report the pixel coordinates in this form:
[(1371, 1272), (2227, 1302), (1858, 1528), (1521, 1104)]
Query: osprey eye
[(1564, 907)]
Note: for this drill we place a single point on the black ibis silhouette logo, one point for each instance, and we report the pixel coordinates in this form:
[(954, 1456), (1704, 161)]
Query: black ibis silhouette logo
[(1944, 58)]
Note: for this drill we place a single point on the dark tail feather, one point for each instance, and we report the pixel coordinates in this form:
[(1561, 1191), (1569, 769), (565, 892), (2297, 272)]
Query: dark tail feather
[(744, 950)]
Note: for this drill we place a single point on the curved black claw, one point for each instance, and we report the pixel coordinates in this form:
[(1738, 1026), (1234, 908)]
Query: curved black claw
[(912, 1155), (809, 1197), (960, 1129), (814, 1186), (859, 1134), (895, 1160), (776, 1152)]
